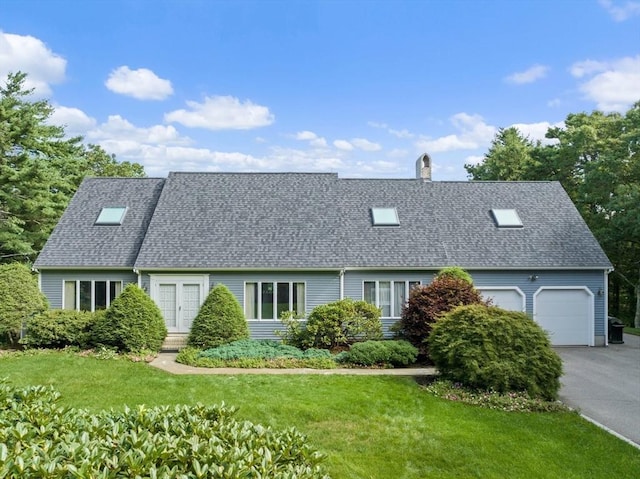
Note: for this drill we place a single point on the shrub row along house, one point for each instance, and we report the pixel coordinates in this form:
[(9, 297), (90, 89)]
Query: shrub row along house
[(292, 241)]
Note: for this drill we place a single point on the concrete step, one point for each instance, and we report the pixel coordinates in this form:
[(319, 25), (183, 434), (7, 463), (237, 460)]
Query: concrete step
[(174, 342)]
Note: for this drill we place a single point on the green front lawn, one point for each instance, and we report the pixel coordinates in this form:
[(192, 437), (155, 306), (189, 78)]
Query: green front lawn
[(370, 427), (630, 330)]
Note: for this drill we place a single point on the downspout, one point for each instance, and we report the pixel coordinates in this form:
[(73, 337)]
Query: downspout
[(35, 270), (137, 271), (606, 306), (342, 284)]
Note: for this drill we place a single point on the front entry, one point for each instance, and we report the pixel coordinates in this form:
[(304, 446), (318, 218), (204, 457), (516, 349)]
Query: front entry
[(179, 299)]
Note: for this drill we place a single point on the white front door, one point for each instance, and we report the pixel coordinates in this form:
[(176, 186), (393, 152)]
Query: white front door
[(179, 299)]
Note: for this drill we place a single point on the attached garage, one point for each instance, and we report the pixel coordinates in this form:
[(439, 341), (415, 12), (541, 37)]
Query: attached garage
[(510, 298), (566, 313)]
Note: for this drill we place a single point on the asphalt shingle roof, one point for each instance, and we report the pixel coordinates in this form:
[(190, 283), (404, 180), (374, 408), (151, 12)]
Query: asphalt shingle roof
[(78, 242), (296, 220)]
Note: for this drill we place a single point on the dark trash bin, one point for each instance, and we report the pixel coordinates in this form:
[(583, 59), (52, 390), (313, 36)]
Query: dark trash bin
[(616, 328)]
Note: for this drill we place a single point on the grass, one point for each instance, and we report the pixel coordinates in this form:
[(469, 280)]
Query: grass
[(370, 427), (630, 330)]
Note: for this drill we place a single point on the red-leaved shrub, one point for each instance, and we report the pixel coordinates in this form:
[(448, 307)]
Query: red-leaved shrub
[(427, 303)]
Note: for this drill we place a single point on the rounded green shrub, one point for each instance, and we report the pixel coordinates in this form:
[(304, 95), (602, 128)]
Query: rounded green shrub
[(427, 303), (59, 328), (490, 348), (220, 320), (371, 353), (455, 272), (20, 300), (340, 324), (133, 322)]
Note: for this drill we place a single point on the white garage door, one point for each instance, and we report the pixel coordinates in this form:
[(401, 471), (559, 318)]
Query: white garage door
[(567, 314), (511, 299)]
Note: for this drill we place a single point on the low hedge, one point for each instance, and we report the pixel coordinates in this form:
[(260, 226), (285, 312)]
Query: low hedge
[(59, 328), (383, 353), (39, 438)]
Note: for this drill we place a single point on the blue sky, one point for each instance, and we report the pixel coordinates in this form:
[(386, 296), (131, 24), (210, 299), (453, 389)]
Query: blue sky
[(360, 88)]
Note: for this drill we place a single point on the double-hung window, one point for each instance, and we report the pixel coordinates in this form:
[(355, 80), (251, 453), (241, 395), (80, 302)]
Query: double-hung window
[(269, 299), (90, 295), (389, 296)]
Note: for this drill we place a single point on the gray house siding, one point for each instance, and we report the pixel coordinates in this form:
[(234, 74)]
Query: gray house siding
[(52, 281), (594, 280), (321, 287)]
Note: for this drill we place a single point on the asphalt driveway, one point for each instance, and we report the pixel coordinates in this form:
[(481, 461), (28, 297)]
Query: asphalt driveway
[(604, 384)]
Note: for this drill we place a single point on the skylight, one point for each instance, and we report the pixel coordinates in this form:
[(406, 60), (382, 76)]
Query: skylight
[(506, 218), (111, 216), (384, 217)]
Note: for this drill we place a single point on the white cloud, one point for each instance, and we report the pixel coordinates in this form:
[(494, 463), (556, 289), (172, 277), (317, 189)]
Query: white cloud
[(222, 113), (30, 55), (536, 72), (473, 160), (312, 138), (536, 131), (119, 129), (473, 133), (401, 133), (75, 121), (343, 145), (141, 84), (554, 102), (622, 12), (614, 85), (365, 145), (587, 67), (398, 153), (291, 159)]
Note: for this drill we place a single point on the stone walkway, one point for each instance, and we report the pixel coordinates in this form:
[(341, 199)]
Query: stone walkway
[(167, 362)]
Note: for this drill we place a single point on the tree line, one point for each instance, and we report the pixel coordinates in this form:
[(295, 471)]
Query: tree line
[(595, 158), (40, 170)]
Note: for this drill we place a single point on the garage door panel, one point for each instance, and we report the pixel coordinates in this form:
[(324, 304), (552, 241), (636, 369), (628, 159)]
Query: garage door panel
[(509, 299), (567, 314)]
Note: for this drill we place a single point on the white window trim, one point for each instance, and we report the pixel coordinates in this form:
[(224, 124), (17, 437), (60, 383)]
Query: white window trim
[(76, 306), (392, 282), (275, 297)]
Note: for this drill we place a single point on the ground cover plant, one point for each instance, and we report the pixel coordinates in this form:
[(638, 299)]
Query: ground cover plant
[(41, 439), (511, 401), (253, 353), (368, 426)]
